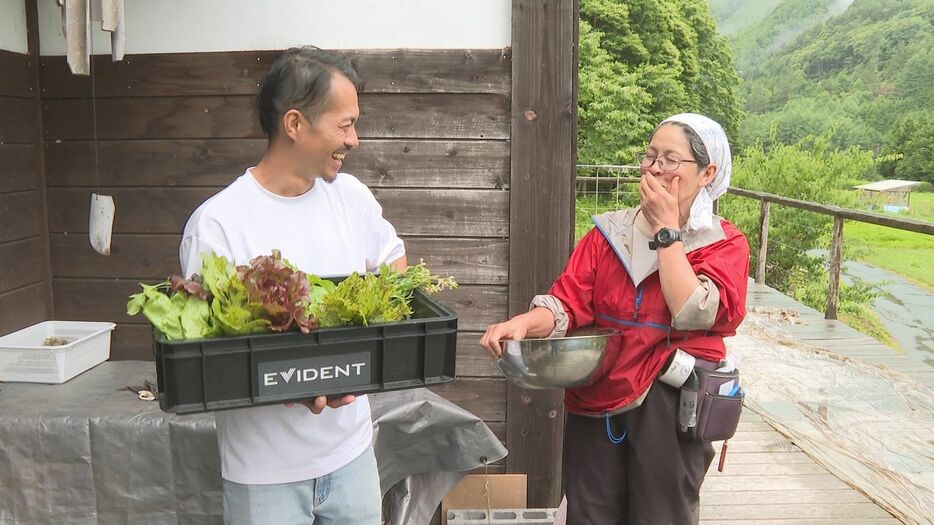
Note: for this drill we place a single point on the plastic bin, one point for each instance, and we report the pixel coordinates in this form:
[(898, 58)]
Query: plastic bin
[(234, 372), (25, 356)]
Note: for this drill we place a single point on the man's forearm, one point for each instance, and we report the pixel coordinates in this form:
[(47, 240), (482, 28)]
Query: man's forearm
[(399, 264)]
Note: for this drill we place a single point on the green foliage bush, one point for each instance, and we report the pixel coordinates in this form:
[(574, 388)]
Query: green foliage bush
[(809, 170)]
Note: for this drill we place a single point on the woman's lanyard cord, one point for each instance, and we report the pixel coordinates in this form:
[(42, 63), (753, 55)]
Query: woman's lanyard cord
[(609, 430)]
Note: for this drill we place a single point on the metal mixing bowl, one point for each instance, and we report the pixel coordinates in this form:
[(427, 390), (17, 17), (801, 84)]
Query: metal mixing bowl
[(560, 362)]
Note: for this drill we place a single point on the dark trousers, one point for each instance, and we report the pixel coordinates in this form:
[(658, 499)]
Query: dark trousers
[(651, 478)]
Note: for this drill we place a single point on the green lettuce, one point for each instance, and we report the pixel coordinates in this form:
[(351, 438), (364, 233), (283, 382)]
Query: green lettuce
[(270, 294)]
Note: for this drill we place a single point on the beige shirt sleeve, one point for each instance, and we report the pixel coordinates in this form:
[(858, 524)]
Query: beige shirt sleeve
[(700, 310), (557, 309)]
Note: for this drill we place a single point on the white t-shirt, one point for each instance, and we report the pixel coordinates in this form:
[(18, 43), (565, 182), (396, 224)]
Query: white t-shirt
[(334, 229)]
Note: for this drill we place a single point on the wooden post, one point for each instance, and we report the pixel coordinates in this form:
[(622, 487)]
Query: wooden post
[(763, 241), (836, 257), (32, 39), (541, 214)]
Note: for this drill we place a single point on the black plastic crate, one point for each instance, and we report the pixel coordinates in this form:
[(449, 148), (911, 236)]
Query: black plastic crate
[(234, 372)]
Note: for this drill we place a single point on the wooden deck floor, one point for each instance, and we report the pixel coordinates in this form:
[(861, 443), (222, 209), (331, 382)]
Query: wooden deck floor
[(768, 480), (838, 336)]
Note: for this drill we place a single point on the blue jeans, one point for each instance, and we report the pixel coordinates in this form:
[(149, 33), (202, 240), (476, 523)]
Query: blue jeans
[(349, 495)]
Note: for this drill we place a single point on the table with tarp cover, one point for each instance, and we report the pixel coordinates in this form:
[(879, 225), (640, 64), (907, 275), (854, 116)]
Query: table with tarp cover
[(90, 451)]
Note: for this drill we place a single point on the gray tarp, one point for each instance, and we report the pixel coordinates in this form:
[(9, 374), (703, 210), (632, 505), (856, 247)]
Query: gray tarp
[(89, 452), (870, 426)]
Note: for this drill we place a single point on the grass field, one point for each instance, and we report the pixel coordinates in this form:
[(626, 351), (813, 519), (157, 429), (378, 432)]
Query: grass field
[(906, 253)]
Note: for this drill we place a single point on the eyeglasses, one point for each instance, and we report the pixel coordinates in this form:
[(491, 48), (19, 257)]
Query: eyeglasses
[(646, 160)]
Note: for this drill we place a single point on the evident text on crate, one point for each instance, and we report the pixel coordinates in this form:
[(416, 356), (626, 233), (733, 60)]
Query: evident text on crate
[(296, 376)]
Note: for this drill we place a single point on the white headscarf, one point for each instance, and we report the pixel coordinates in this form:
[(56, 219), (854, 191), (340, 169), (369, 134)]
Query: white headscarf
[(718, 149)]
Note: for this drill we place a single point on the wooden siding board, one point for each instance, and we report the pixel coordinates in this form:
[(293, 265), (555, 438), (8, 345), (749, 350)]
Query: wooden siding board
[(416, 212), (23, 263), (431, 163), (20, 216), (477, 306), (18, 168), (461, 116), (22, 307), (461, 213), (15, 74), (142, 257), (19, 120), (543, 156), (485, 398), (239, 73), (159, 210), (470, 261), (216, 162), (472, 359), (131, 342), (151, 163)]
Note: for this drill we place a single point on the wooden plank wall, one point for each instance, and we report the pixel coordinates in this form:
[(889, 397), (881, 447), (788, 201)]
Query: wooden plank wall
[(24, 260), (175, 128)]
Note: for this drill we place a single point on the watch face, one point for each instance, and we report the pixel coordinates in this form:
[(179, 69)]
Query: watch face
[(664, 236)]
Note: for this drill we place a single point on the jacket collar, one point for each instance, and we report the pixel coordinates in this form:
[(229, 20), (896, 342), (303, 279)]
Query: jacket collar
[(616, 227)]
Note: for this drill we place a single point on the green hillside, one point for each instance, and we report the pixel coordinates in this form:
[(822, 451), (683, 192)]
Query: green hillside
[(781, 26), (733, 16), (866, 73)]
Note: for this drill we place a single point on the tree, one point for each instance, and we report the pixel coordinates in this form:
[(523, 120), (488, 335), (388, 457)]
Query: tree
[(641, 61), (912, 140)]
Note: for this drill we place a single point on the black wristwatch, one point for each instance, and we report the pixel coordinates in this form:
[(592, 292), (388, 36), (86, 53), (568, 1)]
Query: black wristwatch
[(664, 238)]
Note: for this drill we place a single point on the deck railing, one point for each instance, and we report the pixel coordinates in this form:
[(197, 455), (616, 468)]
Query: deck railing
[(766, 199)]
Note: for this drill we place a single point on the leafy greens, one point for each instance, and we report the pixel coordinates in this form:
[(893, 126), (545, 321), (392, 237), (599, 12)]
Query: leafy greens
[(270, 294)]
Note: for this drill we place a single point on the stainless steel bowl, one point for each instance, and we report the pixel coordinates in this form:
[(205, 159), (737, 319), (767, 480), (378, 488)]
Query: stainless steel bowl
[(560, 362)]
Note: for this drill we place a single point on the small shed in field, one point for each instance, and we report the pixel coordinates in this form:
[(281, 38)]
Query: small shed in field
[(892, 195)]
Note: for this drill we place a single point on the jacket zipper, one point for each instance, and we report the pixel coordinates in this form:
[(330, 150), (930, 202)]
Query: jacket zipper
[(635, 314), (657, 326)]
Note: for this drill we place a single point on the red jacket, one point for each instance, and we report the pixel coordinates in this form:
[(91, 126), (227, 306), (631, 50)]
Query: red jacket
[(595, 288)]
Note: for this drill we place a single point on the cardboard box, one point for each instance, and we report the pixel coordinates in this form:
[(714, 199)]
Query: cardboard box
[(506, 491)]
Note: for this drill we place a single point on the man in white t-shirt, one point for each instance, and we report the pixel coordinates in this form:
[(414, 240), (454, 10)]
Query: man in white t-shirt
[(310, 462)]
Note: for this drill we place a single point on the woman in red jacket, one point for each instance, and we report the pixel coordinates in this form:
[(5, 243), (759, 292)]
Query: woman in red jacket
[(669, 274)]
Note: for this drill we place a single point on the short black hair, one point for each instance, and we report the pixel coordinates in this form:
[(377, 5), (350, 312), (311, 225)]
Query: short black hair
[(300, 79)]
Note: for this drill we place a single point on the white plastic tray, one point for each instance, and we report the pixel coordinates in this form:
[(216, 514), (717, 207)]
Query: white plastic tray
[(24, 356)]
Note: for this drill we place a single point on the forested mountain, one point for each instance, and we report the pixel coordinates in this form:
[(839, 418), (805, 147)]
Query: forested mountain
[(642, 60), (867, 72), (767, 33), (733, 16)]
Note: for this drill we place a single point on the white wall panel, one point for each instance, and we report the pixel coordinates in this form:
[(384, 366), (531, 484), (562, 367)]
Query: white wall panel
[(180, 26)]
